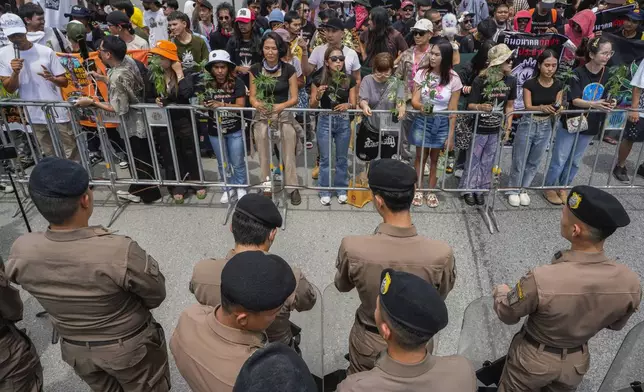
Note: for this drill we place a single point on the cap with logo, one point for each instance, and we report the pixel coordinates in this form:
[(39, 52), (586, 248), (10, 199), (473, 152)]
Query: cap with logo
[(423, 25), (597, 208), (12, 24), (218, 56), (78, 12), (636, 15), (406, 3), (244, 15)]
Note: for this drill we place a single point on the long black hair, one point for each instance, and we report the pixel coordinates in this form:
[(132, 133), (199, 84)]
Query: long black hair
[(446, 65), (378, 38), (480, 60), (237, 38), (545, 55)]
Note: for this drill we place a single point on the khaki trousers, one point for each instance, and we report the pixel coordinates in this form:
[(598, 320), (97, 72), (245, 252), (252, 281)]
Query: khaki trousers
[(139, 364), (529, 368), (288, 137), (20, 369), (66, 134), (365, 347)]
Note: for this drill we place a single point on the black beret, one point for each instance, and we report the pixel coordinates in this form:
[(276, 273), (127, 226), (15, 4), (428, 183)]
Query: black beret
[(260, 208), (391, 175), (412, 302), (58, 178), (257, 281), (117, 18), (276, 367), (597, 208)]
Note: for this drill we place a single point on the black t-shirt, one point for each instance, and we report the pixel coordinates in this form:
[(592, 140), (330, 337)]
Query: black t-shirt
[(589, 87), (280, 92), (308, 31), (443, 8), (244, 56), (342, 93), (541, 23), (229, 122), (543, 95), (490, 123)]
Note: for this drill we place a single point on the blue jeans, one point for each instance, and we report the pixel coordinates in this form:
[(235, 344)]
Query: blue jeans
[(338, 127), (233, 148), (530, 143), (563, 157)]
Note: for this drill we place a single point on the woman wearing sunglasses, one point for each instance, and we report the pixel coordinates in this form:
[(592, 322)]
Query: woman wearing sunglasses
[(493, 90), (334, 90)]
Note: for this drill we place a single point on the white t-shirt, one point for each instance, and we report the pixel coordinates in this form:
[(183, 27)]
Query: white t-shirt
[(158, 25), (351, 60), (638, 81), (55, 12), (443, 93), (33, 87), (137, 43)]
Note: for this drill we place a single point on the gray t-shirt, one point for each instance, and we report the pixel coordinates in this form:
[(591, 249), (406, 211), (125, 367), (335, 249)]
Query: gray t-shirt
[(378, 97)]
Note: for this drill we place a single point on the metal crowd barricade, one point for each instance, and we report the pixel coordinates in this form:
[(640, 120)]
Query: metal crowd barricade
[(153, 117)]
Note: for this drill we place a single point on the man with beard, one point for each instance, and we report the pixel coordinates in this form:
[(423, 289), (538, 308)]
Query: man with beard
[(406, 21), (224, 30), (155, 21)]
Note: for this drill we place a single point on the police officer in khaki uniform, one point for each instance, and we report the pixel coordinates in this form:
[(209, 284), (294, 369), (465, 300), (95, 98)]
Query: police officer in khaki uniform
[(210, 345), (20, 369), (254, 226), (568, 301), (395, 244), (97, 287), (409, 311)]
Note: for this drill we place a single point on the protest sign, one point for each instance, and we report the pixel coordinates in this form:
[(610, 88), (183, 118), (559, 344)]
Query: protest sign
[(611, 19)]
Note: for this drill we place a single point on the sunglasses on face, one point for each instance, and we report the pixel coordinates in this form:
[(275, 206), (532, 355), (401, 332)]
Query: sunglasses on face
[(467, 21), (561, 6), (306, 10), (336, 58), (419, 33), (509, 61), (408, 9)]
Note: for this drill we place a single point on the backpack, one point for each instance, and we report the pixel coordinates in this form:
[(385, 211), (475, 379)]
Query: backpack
[(553, 13)]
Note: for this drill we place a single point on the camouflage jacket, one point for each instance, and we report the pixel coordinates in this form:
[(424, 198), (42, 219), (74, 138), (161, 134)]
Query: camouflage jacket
[(125, 88)]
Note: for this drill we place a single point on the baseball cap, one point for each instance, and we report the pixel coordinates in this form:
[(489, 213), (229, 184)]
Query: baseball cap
[(166, 49), (406, 3), (276, 16), (423, 25), (12, 24), (78, 12), (244, 15), (117, 18), (547, 4), (635, 15), (333, 23), (75, 30)]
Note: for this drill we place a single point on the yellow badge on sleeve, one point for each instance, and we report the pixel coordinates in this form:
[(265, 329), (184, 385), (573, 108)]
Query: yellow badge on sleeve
[(574, 201), (516, 294), (384, 286)]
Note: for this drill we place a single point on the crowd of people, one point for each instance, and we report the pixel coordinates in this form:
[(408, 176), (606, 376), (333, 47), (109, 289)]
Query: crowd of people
[(99, 288), (277, 55)]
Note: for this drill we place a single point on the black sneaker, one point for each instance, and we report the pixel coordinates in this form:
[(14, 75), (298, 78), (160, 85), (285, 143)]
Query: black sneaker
[(640, 170), (479, 198), (620, 174), (469, 199)]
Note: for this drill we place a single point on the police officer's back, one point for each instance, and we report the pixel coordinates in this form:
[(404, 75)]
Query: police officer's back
[(210, 344), (97, 287), (395, 244), (570, 300), (254, 225), (20, 369), (409, 311)]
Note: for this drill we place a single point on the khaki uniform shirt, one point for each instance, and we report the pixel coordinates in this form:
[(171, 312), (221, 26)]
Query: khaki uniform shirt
[(206, 286), (445, 374), (10, 302), (568, 301), (361, 260), (95, 285), (209, 354)]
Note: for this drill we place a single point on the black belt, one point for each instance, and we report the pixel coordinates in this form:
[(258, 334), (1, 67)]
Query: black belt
[(4, 331), (106, 342), (553, 350)]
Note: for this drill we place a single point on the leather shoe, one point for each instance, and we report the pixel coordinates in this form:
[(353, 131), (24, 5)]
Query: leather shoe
[(479, 198), (552, 197), (469, 199)]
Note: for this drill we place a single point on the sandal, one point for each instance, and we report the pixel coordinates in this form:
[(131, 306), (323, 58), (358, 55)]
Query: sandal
[(178, 199), (610, 140), (201, 194), (432, 200), (418, 199)]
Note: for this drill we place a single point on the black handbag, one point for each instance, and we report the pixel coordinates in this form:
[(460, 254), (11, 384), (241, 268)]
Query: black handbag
[(371, 144)]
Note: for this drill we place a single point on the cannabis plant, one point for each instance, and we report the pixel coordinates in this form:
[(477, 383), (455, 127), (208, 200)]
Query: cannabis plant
[(564, 75), (338, 81), (265, 87), (158, 75)]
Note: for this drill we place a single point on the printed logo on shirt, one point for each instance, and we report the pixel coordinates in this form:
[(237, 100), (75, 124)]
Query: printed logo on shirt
[(52, 4), (593, 92), (188, 60)]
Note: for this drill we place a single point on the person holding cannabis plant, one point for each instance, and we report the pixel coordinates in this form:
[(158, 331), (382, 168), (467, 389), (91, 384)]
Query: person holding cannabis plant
[(224, 89), (436, 88), (494, 90), (273, 88), (333, 89), (167, 85)]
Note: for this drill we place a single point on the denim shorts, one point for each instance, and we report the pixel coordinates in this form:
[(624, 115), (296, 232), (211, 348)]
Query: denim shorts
[(429, 131)]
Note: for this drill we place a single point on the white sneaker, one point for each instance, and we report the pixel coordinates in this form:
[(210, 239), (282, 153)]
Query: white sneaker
[(124, 165), (226, 196), (426, 172), (6, 188), (514, 200), (342, 199), (125, 195), (266, 185), (241, 192), (525, 199), (458, 173), (325, 200)]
